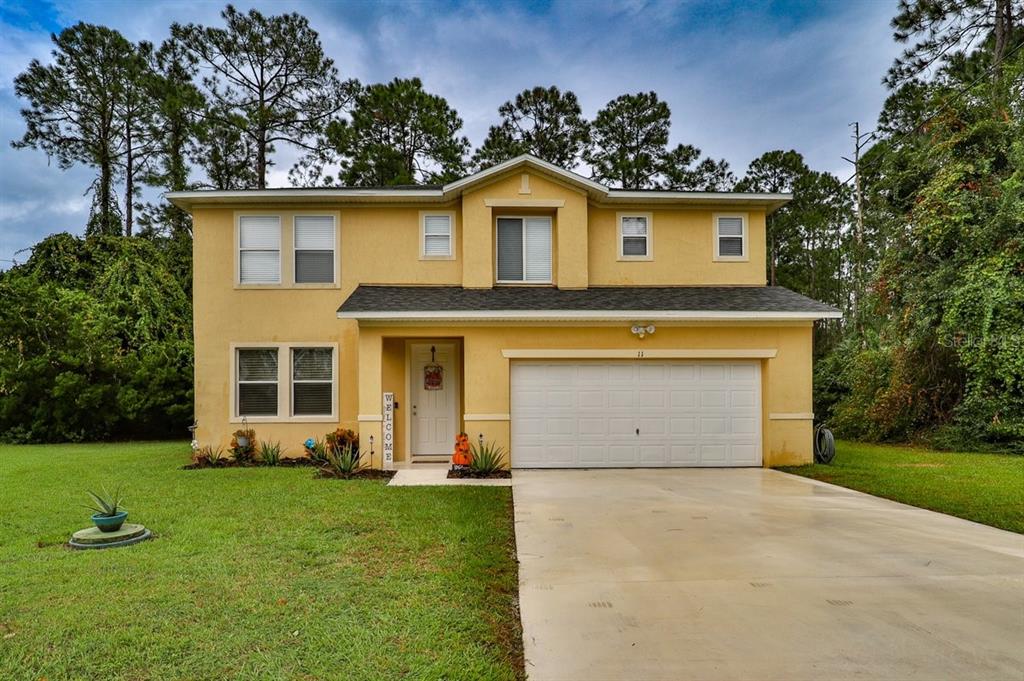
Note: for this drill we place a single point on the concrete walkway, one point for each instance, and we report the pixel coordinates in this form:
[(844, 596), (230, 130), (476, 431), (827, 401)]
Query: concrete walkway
[(430, 475), (756, 574)]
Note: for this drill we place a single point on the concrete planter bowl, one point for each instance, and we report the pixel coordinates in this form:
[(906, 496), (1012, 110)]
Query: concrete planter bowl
[(109, 523)]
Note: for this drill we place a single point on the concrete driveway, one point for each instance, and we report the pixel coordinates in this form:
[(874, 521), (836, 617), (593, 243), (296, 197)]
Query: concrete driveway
[(756, 574)]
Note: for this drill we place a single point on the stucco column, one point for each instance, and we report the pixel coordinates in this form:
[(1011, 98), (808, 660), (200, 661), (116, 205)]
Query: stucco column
[(486, 387), (571, 242), (477, 243), (370, 392)]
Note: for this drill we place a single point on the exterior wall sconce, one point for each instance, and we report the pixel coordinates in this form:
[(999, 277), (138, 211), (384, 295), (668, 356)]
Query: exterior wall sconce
[(641, 331)]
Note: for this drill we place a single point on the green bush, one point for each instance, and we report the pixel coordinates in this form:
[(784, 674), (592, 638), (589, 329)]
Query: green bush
[(488, 458), (270, 453)]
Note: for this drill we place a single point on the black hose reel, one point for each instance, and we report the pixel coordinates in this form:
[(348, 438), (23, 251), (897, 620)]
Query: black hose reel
[(824, 444)]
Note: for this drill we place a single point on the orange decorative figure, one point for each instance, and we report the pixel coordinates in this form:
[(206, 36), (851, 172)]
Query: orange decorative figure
[(462, 456)]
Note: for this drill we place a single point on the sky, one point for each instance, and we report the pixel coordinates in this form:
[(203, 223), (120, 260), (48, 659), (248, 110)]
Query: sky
[(741, 77)]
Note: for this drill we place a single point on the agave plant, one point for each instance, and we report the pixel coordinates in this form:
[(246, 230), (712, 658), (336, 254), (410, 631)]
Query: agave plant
[(270, 453), (345, 462), (107, 504), (487, 458)]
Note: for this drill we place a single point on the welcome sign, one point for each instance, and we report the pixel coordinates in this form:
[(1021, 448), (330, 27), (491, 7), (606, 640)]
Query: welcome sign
[(388, 431)]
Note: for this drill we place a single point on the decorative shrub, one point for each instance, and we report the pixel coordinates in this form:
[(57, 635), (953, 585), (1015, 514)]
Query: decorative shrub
[(344, 462), (270, 453), (337, 441), (487, 459), (316, 450), (208, 456)]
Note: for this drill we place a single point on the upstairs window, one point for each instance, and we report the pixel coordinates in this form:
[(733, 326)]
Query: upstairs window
[(524, 250), (635, 236), (731, 237), (314, 249), (437, 235), (259, 249), (257, 382), (312, 381)]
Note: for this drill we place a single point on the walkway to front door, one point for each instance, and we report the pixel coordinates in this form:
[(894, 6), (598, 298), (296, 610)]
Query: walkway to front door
[(756, 574)]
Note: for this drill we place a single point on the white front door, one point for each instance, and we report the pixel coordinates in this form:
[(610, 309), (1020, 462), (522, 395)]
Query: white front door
[(645, 413), (434, 392)]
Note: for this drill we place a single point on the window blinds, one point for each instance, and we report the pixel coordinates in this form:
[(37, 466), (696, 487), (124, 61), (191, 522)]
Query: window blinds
[(437, 235), (314, 249), (524, 249), (259, 243), (730, 236)]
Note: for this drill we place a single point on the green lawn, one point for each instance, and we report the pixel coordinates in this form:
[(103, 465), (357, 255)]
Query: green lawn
[(985, 488), (254, 573)]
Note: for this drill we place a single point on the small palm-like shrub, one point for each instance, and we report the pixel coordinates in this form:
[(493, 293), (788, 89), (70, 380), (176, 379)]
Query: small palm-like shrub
[(208, 456), (317, 451), (106, 504), (344, 462), (487, 459), (270, 453)]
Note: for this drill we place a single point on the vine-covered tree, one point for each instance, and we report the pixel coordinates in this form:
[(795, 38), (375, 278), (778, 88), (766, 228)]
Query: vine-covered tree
[(398, 134), (545, 122), (267, 78), (946, 27)]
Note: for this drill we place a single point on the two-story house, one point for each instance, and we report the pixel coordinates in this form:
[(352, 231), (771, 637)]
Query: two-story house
[(573, 324)]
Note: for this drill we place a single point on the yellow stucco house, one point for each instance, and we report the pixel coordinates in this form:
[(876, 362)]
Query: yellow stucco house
[(573, 324)]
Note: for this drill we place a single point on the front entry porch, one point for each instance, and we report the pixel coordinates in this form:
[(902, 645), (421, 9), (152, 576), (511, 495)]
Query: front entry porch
[(425, 376)]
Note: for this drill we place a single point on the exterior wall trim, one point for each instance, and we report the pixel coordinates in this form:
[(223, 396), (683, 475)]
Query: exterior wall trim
[(486, 417), (370, 417), (524, 203), (587, 315), (740, 353), (791, 416)]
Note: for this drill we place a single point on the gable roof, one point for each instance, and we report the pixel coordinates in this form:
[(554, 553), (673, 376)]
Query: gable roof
[(522, 303), (447, 193)]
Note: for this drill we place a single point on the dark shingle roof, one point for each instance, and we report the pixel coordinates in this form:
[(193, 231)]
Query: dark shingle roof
[(604, 298)]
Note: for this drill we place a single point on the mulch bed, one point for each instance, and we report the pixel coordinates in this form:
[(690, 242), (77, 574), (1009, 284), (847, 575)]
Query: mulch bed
[(286, 462), (364, 474), (459, 473)]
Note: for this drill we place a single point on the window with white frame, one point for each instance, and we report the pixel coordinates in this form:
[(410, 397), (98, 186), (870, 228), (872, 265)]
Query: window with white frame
[(259, 249), (524, 250), (312, 381), (730, 237), (256, 373), (314, 249), (437, 235), (635, 236)]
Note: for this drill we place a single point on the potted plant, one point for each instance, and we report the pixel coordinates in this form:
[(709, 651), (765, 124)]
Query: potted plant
[(110, 512)]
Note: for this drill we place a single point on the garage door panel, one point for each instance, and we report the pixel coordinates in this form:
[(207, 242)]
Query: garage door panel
[(683, 426), (683, 455), (635, 413), (620, 426), (683, 399), (652, 399), (623, 455), (714, 453), (619, 399), (654, 454)]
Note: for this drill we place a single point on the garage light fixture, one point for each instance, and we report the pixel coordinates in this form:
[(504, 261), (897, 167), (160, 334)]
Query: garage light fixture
[(641, 331)]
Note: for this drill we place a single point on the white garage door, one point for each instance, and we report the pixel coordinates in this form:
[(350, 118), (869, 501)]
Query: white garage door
[(606, 414)]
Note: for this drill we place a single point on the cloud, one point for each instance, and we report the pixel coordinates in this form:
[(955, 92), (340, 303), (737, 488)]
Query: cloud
[(741, 78)]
